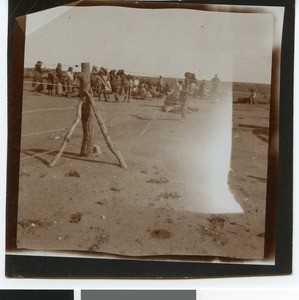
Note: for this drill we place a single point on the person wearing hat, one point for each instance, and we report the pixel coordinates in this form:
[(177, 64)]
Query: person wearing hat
[(37, 83), (60, 78)]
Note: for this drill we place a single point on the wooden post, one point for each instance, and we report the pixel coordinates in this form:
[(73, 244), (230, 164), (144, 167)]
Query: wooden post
[(85, 113), (87, 116)]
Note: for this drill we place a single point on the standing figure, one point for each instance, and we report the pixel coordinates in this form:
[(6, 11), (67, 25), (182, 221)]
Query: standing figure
[(94, 79), (160, 85), (128, 88), (37, 83), (60, 78), (70, 81), (202, 90), (50, 84), (215, 83), (115, 84), (122, 75), (177, 89), (118, 84), (103, 83), (185, 95), (106, 78)]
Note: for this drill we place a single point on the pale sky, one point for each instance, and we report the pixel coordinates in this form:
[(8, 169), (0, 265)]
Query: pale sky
[(167, 42)]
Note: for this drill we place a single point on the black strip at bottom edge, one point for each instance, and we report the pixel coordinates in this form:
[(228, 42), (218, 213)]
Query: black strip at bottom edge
[(21, 266)]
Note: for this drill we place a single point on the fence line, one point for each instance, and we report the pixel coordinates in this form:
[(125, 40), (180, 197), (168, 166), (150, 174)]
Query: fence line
[(66, 85)]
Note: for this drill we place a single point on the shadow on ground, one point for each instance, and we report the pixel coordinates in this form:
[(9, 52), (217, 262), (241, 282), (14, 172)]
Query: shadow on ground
[(71, 155)]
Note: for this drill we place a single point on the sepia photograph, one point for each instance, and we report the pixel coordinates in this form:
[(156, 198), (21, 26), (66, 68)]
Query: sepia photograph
[(148, 132)]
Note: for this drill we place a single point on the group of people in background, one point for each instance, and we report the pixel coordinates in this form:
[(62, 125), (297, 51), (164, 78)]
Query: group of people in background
[(55, 79), (124, 86), (121, 86), (186, 89), (104, 83), (117, 83)]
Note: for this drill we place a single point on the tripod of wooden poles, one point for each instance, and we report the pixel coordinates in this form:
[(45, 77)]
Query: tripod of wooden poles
[(85, 105)]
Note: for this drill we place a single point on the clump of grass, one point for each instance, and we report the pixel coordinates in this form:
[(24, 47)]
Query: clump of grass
[(72, 174), (216, 221), (115, 189), (158, 180), (75, 218), (169, 195), (160, 234)]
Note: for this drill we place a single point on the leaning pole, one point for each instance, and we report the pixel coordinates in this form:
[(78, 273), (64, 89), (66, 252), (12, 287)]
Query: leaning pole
[(86, 109)]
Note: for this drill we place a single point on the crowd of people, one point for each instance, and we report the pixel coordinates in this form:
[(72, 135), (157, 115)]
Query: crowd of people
[(56, 79), (104, 83), (117, 86), (117, 83)]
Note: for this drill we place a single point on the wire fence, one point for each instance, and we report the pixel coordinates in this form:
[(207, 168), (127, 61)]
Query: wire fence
[(70, 85)]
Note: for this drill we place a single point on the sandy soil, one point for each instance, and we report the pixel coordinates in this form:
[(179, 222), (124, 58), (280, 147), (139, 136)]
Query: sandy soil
[(95, 206)]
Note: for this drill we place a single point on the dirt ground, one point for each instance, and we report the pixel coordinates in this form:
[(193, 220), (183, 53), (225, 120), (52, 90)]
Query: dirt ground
[(93, 205)]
